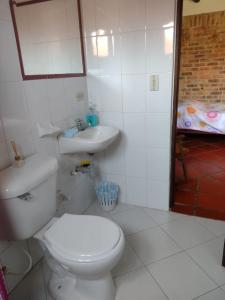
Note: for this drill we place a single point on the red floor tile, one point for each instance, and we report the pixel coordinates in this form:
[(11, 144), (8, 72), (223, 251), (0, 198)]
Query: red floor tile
[(211, 185), (211, 201), (209, 213), (220, 176), (185, 197), (183, 209), (203, 193), (187, 185)]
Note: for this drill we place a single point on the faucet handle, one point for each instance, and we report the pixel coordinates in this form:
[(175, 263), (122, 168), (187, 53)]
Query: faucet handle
[(80, 124)]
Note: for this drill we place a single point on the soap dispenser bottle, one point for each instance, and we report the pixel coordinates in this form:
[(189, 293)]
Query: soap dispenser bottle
[(91, 117)]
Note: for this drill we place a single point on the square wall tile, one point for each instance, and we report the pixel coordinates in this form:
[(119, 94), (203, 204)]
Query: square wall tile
[(136, 162), (134, 93), (36, 95), (113, 161), (158, 194), (109, 93), (9, 61), (14, 110), (107, 16), (160, 14), (93, 90), (158, 164), (160, 50), (4, 156), (136, 191), (89, 17), (158, 130), (91, 54), (132, 15), (56, 93), (134, 52), (76, 98), (109, 53), (5, 14), (160, 101), (114, 119), (134, 129)]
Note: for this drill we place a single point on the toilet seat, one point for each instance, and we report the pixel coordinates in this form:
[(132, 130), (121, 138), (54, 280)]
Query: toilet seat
[(82, 239)]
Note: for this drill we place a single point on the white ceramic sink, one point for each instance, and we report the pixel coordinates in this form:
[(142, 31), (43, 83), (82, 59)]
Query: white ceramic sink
[(91, 140)]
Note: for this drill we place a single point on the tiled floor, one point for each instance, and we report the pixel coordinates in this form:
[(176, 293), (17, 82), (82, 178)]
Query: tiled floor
[(203, 194), (167, 255)]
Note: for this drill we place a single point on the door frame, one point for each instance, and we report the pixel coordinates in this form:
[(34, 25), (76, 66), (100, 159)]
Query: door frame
[(176, 72)]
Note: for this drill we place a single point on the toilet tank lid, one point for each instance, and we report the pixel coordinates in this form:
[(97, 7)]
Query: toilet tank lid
[(18, 181)]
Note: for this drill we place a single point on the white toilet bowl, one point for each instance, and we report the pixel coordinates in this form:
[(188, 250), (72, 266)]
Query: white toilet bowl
[(86, 248)]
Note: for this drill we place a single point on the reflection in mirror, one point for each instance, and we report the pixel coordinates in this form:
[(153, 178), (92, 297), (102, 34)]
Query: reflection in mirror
[(49, 38)]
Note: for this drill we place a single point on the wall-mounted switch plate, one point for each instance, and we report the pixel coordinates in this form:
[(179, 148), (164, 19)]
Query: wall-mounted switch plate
[(154, 83)]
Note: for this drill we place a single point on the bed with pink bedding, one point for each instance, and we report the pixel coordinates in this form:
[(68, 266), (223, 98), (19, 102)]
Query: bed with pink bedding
[(198, 116)]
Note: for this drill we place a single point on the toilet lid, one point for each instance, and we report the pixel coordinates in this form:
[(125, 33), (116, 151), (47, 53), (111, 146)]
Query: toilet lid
[(82, 238)]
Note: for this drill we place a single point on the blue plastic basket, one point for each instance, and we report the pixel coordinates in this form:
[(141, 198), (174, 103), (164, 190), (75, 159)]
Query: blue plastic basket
[(107, 194)]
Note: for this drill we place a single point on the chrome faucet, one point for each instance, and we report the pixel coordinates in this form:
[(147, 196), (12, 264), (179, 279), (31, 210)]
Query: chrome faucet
[(80, 124)]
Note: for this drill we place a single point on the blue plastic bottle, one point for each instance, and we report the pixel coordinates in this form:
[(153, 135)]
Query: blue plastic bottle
[(91, 117)]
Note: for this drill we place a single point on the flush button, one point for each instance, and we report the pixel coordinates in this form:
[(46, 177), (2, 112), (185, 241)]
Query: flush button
[(25, 197)]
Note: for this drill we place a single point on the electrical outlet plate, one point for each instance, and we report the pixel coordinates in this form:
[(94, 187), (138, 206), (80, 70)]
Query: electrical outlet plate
[(154, 83)]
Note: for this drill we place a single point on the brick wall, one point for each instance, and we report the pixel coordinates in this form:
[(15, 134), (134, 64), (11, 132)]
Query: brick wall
[(202, 74)]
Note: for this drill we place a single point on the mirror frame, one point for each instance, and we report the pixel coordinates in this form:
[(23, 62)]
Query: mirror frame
[(46, 76)]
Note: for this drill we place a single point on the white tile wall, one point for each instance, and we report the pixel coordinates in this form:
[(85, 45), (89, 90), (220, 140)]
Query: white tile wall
[(23, 104), (126, 42), (123, 48)]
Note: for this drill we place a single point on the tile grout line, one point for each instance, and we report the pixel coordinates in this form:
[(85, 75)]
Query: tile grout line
[(203, 270), (147, 270)]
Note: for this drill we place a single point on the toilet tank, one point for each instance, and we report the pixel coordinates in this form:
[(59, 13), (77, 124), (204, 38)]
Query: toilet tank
[(27, 197)]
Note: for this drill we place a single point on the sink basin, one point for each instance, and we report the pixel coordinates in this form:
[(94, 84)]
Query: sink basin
[(91, 140)]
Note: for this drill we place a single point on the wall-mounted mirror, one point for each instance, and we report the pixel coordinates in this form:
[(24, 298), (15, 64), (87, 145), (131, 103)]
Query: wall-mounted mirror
[(49, 38)]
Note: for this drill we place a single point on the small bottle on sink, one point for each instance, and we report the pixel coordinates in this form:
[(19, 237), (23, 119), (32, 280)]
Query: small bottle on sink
[(91, 117)]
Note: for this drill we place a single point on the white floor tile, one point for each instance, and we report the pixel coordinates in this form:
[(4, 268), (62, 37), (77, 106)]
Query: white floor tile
[(129, 262), (215, 226), (153, 244), (31, 288), (187, 233), (180, 278), (209, 257), (134, 220), (162, 217), (217, 294), (138, 285), (223, 287)]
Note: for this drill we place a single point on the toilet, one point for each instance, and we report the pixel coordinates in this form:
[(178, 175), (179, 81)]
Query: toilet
[(80, 250)]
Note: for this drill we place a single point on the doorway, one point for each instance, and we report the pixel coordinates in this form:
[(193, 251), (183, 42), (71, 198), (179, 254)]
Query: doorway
[(198, 137)]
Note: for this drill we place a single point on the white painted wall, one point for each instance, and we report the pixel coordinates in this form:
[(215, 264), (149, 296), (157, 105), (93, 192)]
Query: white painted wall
[(126, 42), (22, 105), (204, 6)]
